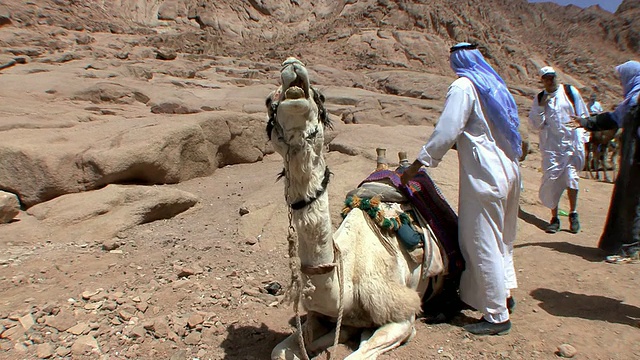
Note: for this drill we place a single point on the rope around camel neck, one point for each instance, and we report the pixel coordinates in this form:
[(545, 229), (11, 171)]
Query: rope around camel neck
[(295, 290)]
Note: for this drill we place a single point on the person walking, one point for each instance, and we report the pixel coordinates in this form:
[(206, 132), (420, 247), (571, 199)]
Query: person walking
[(562, 147), (480, 116), (621, 235)]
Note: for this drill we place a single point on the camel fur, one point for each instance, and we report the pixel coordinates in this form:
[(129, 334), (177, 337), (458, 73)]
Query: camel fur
[(382, 286)]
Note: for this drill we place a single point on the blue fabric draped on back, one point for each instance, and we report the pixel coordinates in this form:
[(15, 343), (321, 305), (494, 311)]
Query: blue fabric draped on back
[(498, 103), (630, 79)]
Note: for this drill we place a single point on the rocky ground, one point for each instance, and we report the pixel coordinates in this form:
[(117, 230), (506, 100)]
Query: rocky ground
[(151, 223), (207, 283)]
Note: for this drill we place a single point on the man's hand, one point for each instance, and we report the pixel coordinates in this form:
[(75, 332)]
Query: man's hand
[(410, 172), (574, 123)]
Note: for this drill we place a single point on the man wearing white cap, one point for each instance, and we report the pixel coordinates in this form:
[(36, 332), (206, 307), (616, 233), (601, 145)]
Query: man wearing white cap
[(562, 147)]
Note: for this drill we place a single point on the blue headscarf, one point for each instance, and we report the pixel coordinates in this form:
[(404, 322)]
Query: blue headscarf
[(630, 79), (498, 103)]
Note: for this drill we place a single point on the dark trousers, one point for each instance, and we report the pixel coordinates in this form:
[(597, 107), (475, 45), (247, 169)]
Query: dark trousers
[(623, 221)]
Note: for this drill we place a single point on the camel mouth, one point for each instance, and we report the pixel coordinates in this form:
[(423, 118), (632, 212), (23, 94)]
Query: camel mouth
[(295, 92), (295, 80)]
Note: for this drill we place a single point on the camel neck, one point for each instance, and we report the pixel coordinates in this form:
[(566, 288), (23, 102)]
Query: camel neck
[(307, 176)]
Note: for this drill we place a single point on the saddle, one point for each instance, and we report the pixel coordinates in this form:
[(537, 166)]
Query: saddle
[(432, 217)]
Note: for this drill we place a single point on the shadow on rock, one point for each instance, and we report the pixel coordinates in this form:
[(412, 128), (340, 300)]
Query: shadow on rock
[(588, 253), (589, 307), (250, 342)]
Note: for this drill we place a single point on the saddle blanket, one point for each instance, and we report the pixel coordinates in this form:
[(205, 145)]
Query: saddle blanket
[(427, 199)]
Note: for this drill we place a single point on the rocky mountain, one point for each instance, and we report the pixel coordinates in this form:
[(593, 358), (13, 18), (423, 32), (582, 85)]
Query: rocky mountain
[(140, 217), (380, 61), (517, 36)]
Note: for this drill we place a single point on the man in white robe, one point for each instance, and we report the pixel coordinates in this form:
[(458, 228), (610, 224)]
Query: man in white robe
[(481, 118), (561, 147)]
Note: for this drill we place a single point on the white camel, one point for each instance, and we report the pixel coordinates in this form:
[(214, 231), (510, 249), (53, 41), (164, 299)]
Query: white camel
[(382, 286)]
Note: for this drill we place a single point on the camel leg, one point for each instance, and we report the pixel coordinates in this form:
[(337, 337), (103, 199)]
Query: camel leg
[(326, 341), (365, 336), (385, 338), (289, 348)]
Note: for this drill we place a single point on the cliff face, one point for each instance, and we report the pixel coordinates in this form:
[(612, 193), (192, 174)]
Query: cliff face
[(517, 37)]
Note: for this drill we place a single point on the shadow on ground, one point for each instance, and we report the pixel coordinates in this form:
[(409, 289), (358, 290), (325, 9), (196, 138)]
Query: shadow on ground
[(591, 254), (532, 219), (250, 342), (589, 307)]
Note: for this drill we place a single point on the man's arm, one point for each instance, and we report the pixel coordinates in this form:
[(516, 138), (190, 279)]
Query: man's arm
[(457, 108), (536, 114), (602, 121)]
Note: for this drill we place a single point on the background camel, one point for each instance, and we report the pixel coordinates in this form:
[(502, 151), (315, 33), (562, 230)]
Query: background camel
[(358, 271), (603, 151)]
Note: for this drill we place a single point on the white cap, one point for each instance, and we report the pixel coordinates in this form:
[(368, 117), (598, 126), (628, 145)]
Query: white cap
[(547, 70)]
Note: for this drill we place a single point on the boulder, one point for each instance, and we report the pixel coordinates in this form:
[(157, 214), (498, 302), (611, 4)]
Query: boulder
[(9, 207), (100, 214), (153, 150)]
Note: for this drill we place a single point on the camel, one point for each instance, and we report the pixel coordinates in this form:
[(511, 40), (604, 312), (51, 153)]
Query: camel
[(602, 152), (359, 277)]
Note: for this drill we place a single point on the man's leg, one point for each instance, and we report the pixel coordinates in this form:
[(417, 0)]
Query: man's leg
[(554, 223), (573, 199), (574, 222)]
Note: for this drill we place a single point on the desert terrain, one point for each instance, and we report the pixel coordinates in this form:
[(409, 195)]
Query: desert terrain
[(150, 223)]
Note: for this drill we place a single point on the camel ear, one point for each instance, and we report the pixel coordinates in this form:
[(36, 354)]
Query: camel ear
[(268, 101), (319, 99), (271, 113)]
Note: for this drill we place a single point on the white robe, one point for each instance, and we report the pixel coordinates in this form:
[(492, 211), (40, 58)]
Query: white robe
[(488, 200), (562, 148)]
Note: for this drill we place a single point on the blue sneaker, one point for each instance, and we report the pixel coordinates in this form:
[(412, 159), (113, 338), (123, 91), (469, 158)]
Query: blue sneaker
[(574, 223), (483, 327), (554, 226)]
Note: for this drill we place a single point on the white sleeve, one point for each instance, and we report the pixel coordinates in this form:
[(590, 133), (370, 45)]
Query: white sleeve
[(536, 114), (581, 107), (598, 107), (457, 109)]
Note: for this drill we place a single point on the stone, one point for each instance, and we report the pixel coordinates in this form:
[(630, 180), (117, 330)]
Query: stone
[(13, 333), (60, 322), (566, 351), (193, 338), (27, 321), (111, 244), (44, 351), (86, 295), (79, 329), (85, 344), (195, 319), (63, 351), (9, 206), (166, 54)]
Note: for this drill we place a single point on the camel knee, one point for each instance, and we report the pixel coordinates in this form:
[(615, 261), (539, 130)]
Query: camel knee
[(287, 349)]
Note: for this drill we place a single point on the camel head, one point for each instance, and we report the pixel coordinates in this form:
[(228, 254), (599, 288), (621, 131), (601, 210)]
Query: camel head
[(297, 115)]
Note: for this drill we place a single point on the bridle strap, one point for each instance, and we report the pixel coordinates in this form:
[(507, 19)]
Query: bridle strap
[(304, 203)]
